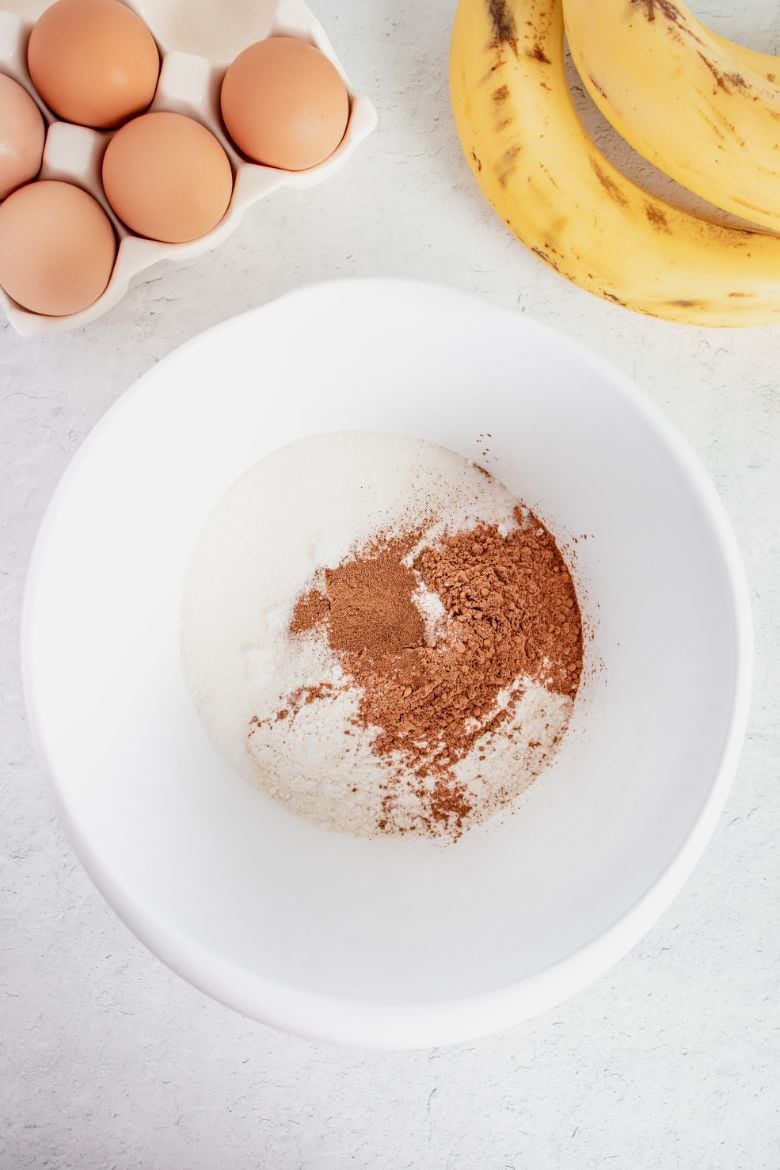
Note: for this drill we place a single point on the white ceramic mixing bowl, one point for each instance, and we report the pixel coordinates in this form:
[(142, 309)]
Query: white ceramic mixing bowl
[(389, 942)]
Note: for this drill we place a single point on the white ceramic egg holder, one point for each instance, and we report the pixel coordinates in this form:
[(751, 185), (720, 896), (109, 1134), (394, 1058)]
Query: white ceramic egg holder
[(189, 84)]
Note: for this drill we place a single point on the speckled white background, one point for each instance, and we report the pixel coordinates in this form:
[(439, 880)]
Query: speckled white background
[(107, 1060)]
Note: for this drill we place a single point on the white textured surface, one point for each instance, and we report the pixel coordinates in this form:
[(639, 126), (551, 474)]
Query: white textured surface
[(671, 1060)]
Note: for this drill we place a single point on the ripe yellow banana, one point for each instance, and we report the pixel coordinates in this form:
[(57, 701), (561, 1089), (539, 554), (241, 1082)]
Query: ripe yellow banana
[(684, 99), (556, 191)]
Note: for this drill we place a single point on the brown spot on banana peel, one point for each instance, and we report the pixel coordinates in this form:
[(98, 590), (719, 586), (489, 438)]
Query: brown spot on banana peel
[(609, 185), (741, 294), (665, 7), (657, 217), (501, 94), (486, 78), (676, 22), (724, 81), (540, 252), (503, 24), (548, 175), (476, 160), (727, 127), (537, 53), (716, 129), (598, 88), (740, 237)]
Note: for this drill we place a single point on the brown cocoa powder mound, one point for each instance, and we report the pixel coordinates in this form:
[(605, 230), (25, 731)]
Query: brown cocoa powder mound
[(367, 602), (371, 611), (310, 610), (510, 610), (515, 599)]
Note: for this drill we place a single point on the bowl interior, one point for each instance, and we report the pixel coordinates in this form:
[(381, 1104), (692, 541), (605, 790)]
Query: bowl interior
[(265, 911)]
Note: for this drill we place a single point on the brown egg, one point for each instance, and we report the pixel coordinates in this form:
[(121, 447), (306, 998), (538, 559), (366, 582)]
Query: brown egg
[(93, 62), (57, 248), (284, 104), (22, 133), (167, 177)]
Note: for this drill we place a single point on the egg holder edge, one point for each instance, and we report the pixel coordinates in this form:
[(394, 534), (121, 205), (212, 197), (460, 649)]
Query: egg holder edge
[(188, 84)]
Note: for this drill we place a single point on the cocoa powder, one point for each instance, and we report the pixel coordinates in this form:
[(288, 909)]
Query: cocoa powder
[(510, 613), (309, 611), (370, 607)]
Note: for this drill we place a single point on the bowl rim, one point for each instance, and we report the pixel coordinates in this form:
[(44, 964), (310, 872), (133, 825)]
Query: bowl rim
[(387, 1025)]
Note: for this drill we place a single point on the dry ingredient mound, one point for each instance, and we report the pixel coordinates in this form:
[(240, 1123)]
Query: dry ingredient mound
[(510, 613), (379, 636)]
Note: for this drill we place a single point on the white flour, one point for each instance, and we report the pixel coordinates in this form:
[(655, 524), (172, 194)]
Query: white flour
[(311, 505)]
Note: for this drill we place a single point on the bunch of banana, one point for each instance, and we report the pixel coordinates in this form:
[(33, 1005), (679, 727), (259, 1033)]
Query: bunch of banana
[(716, 128), (564, 199)]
